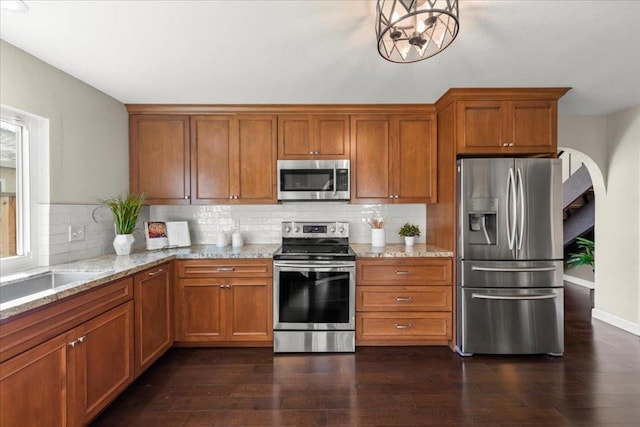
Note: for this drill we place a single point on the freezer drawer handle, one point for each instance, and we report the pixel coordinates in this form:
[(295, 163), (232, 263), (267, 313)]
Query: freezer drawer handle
[(513, 297), (514, 270)]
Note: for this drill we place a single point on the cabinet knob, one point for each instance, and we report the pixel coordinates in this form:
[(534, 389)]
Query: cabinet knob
[(391, 196), (511, 144), (316, 152), (73, 343), (311, 152), (227, 286), (81, 339), (505, 144), (221, 286)]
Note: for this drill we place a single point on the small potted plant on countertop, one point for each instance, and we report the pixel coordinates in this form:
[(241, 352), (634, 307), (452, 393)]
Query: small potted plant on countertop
[(125, 215), (409, 232)]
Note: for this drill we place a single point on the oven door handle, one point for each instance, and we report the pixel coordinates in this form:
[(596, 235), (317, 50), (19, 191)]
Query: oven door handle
[(313, 266)]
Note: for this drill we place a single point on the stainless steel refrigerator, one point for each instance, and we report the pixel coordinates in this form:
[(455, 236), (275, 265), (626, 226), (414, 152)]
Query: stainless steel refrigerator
[(509, 258)]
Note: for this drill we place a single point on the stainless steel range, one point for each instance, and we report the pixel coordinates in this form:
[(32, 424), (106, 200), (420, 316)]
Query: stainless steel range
[(314, 289)]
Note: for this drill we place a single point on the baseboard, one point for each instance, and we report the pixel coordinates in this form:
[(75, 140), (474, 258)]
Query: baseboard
[(616, 321), (578, 281)]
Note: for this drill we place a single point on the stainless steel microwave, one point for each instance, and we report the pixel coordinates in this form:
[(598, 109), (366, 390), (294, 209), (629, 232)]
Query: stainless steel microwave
[(304, 180)]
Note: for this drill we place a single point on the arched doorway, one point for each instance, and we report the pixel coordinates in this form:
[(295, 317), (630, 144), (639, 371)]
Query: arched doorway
[(583, 186)]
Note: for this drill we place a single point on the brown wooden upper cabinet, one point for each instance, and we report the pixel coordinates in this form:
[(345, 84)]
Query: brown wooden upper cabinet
[(204, 159), (505, 121), (393, 158), (313, 136), (233, 159), (159, 158)]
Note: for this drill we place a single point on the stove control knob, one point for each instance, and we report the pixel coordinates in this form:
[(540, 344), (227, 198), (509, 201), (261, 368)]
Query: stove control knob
[(287, 229), (332, 229), (341, 230), (297, 229)]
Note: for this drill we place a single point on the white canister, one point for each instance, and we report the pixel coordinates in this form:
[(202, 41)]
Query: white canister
[(221, 240), (236, 239), (377, 237)]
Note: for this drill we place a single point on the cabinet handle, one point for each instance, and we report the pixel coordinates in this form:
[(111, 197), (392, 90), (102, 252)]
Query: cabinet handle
[(404, 299), (311, 152), (402, 272), (227, 286), (186, 197), (407, 326), (81, 339), (504, 144), (73, 343), (221, 286), (316, 152), (511, 144), (155, 273), (391, 196), (226, 269)]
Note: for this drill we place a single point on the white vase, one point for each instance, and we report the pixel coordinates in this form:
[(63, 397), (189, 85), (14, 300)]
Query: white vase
[(377, 237), (123, 243), (408, 240)]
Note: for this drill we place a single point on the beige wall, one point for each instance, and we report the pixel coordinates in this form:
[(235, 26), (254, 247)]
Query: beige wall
[(88, 130), (9, 175), (613, 143)]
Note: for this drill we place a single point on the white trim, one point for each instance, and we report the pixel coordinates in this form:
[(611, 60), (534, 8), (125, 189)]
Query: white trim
[(578, 281), (616, 321)]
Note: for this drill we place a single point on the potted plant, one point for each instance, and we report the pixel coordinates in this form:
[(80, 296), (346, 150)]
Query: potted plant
[(409, 232), (125, 215), (586, 257)]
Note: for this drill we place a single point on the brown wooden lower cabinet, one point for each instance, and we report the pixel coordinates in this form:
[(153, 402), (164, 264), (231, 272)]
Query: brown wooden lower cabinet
[(153, 297), (404, 301), (223, 302), (69, 379)]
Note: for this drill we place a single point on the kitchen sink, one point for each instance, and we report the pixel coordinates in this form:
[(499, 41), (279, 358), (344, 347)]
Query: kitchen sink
[(48, 281)]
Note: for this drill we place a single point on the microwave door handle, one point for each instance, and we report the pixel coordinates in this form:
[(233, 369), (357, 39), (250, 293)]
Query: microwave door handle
[(335, 179)]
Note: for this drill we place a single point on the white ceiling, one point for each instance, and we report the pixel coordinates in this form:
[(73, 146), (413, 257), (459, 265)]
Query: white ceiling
[(283, 52)]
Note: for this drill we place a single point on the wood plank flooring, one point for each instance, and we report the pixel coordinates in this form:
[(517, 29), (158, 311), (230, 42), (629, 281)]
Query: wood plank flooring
[(595, 383)]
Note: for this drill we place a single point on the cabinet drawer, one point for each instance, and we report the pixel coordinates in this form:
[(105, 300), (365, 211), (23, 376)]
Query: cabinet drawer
[(225, 268), (388, 271), (380, 328), (403, 298)]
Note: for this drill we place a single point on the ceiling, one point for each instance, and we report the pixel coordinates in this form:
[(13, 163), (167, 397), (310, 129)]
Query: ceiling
[(288, 52)]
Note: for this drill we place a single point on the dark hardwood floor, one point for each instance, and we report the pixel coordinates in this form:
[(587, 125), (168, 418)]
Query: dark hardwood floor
[(595, 383)]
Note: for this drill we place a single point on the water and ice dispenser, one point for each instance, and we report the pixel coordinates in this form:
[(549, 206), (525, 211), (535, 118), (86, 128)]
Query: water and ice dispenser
[(482, 221)]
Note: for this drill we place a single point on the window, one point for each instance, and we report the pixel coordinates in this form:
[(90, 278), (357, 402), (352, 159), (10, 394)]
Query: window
[(18, 181)]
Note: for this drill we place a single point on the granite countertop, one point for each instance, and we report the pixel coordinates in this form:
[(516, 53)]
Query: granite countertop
[(398, 250), (107, 268)]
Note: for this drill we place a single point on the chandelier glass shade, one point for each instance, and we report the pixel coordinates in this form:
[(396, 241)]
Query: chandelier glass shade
[(413, 30)]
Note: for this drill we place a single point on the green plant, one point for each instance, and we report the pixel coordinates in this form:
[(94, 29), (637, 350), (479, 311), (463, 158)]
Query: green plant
[(409, 230), (587, 256), (125, 211)]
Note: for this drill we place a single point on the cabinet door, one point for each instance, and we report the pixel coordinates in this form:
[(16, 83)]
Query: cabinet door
[(371, 137), (255, 171), (199, 310), (153, 315), (294, 137), (102, 362), (159, 158), (330, 136), (481, 126), (250, 309), (415, 165), (33, 386), (213, 151), (534, 126)]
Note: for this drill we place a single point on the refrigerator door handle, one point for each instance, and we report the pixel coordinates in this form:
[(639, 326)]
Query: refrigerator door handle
[(513, 297), (522, 210), (513, 270), (511, 209)]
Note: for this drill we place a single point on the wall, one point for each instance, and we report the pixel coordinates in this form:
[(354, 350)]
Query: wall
[(262, 223), (9, 175), (88, 129), (612, 143)]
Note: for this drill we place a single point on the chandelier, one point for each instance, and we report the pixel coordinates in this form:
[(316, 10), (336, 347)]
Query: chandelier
[(413, 30)]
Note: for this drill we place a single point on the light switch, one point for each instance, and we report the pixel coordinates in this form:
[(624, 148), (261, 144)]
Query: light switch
[(76, 233)]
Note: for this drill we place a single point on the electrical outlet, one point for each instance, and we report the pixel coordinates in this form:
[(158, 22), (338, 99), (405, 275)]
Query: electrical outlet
[(76, 233)]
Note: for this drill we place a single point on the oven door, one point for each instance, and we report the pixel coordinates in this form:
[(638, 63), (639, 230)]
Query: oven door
[(314, 295)]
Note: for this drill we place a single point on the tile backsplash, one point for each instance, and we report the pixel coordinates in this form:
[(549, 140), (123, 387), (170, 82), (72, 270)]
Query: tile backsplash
[(54, 220), (257, 223), (262, 223)]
